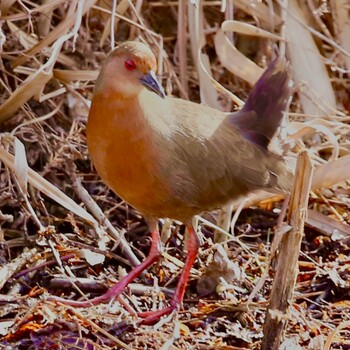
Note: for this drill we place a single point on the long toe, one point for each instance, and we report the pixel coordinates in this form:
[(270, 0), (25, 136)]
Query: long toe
[(151, 317)]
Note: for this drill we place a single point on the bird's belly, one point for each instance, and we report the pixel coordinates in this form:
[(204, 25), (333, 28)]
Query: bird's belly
[(139, 185), (131, 168), (127, 172)]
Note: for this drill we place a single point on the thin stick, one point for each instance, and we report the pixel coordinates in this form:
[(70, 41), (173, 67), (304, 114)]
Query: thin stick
[(98, 328), (114, 10), (182, 45)]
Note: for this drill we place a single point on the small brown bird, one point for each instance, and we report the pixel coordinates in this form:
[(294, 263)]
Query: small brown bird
[(173, 158)]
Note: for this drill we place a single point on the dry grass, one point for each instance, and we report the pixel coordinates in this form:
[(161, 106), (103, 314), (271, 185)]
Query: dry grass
[(54, 234)]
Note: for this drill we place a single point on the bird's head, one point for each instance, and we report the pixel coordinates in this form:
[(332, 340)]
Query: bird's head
[(128, 69)]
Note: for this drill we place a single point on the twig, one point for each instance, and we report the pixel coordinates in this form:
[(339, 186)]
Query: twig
[(330, 338), (98, 328), (40, 266), (98, 213), (9, 269)]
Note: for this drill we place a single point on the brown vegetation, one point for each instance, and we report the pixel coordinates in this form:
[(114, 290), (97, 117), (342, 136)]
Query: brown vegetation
[(63, 232)]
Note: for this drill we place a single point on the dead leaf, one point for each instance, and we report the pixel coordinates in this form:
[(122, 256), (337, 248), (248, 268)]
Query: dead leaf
[(220, 267)]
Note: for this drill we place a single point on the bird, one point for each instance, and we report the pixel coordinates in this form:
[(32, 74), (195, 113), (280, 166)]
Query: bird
[(172, 158)]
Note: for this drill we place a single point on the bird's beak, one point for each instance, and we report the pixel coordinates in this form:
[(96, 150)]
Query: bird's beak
[(149, 80)]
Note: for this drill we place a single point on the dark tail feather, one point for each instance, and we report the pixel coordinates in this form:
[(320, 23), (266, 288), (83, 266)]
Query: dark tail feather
[(262, 114)]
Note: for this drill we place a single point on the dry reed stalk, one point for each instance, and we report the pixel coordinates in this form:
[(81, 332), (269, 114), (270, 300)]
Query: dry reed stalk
[(208, 93), (310, 73), (287, 265)]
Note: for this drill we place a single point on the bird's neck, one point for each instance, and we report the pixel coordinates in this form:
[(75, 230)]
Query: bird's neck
[(118, 109), (139, 112), (116, 97)]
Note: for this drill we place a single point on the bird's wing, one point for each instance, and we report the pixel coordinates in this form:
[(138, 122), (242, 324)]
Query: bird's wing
[(209, 162)]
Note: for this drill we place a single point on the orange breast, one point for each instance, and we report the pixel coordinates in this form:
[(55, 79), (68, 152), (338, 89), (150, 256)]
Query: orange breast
[(121, 148)]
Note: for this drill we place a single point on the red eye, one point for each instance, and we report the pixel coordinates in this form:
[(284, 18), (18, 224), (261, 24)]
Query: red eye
[(130, 65)]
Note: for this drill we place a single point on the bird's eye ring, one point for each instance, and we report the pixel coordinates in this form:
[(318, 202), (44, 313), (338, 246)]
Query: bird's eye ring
[(130, 65)]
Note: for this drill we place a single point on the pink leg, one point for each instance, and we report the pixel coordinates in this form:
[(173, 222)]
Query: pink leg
[(192, 247), (121, 285)]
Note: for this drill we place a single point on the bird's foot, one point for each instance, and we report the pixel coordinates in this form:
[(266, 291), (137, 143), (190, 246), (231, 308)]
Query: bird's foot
[(105, 298), (120, 286), (75, 303), (110, 294), (151, 317)]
